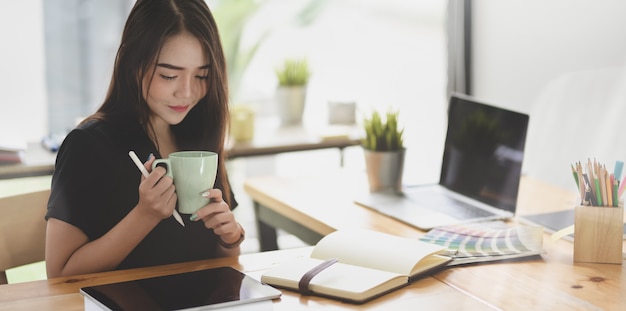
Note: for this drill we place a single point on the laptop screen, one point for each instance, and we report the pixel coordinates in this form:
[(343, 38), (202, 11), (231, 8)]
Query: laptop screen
[(483, 152)]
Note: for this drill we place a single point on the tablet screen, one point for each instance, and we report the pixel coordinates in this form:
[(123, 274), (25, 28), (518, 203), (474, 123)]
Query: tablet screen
[(203, 289)]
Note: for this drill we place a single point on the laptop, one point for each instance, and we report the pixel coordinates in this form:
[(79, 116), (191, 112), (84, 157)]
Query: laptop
[(480, 172)]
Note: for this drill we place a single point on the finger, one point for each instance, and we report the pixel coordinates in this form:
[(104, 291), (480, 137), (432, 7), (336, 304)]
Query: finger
[(220, 229), (171, 202), (157, 183), (165, 188), (216, 219), (168, 192), (156, 175), (227, 228), (148, 183), (221, 218), (211, 209), (214, 195), (148, 164)]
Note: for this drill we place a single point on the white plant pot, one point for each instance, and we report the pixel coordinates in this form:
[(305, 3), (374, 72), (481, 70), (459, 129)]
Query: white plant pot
[(384, 170), (290, 101), (342, 112)]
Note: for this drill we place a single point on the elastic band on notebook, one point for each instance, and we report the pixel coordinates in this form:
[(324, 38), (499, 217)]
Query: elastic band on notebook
[(303, 285)]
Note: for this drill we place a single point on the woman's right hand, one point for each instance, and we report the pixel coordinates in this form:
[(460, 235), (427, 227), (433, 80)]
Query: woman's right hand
[(70, 252), (157, 194)]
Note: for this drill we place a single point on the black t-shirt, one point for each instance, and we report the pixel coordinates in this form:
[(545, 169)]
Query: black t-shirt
[(95, 184)]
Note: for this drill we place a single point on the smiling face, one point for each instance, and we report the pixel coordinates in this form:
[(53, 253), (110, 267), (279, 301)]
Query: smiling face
[(179, 80)]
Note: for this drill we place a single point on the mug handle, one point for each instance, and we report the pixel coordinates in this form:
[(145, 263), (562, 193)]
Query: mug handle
[(168, 171)]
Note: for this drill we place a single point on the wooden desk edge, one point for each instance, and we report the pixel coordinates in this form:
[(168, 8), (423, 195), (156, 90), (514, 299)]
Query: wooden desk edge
[(250, 149), (247, 263), (287, 211)]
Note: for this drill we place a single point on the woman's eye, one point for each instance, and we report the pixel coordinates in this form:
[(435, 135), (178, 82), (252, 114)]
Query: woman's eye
[(202, 77), (168, 77)]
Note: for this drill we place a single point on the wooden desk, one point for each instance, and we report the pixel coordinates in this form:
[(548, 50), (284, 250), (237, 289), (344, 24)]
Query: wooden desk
[(39, 162), (552, 283), (314, 206), (36, 161), (62, 293), (275, 140)]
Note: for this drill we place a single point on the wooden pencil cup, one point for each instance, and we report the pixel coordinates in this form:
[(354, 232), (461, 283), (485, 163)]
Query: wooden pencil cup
[(598, 234)]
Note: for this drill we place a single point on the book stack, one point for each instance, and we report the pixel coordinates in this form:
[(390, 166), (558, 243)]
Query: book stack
[(11, 151)]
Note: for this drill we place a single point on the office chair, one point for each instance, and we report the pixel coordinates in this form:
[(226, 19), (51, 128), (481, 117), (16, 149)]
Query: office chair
[(22, 230)]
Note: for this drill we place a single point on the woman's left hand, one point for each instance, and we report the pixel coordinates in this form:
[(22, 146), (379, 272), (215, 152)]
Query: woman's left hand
[(217, 216)]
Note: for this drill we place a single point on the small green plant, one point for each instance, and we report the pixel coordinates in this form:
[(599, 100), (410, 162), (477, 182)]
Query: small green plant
[(383, 135), (293, 72)]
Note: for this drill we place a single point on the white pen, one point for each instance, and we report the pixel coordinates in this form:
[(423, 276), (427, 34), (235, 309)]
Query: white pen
[(145, 174)]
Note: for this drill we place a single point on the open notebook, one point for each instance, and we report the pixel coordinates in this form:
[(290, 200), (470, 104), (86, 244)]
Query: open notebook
[(480, 173), (357, 265)]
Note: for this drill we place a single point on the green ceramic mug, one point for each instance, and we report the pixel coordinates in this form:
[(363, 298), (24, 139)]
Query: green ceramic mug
[(193, 172)]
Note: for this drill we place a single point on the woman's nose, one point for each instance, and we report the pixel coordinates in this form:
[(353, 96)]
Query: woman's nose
[(185, 88)]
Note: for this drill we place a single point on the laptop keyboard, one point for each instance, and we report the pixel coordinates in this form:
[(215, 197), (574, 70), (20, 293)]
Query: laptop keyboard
[(452, 207)]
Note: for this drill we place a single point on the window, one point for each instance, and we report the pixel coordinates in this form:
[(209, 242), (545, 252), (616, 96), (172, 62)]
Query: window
[(377, 53)]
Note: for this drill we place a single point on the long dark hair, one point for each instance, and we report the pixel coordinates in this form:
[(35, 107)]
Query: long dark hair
[(149, 24)]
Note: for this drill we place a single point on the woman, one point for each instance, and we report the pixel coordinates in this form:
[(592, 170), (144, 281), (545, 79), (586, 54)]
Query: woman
[(168, 93)]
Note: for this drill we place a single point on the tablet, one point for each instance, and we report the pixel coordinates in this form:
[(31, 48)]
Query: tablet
[(555, 221), (196, 290)]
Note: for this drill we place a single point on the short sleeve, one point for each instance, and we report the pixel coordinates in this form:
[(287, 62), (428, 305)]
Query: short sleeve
[(77, 185)]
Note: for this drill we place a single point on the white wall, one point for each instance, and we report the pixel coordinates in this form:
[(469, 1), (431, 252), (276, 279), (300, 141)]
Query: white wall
[(561, 61), (23, 109), (521, 45)]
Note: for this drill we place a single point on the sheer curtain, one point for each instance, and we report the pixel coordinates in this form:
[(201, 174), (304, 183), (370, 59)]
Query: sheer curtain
[(459, 30)]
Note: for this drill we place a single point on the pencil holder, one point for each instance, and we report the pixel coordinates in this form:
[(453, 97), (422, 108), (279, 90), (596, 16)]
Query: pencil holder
[(598, 234)]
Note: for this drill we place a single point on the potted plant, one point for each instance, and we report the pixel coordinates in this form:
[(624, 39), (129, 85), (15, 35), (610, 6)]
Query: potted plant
[(384, 150), (293, 77)]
